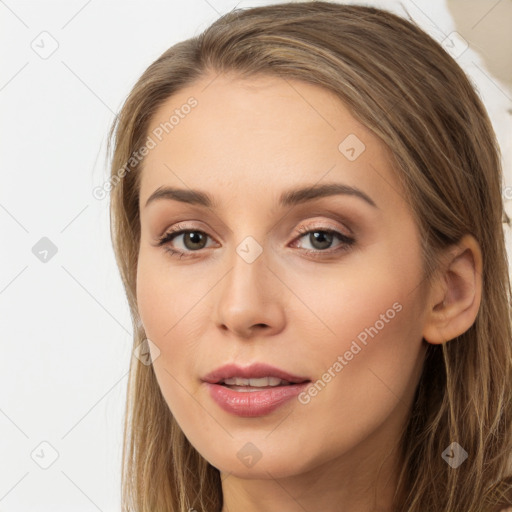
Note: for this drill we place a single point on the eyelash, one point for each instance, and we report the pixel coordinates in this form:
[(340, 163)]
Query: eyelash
[(346, 244)]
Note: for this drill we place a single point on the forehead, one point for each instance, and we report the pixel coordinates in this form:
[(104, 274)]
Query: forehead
[(247, 137)]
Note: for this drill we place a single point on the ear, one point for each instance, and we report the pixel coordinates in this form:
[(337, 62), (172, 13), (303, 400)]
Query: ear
[(455, 292)]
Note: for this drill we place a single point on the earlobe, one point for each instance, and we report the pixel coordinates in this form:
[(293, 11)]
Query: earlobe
[(455, 292)]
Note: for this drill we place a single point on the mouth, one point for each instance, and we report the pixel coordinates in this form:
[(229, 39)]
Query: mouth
[(254, 384), (254, 390), (256, 375)]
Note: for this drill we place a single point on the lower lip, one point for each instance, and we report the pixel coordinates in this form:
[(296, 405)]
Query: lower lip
[(253, 403)]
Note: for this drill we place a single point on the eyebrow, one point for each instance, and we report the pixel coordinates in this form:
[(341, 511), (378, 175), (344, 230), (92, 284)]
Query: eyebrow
[(288, 198)]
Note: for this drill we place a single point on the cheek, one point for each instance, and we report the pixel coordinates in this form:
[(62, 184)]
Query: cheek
[(151, 299), (373, 343), (166, 298), (174, 309), (166, 306), (377, 288), (372, 352)]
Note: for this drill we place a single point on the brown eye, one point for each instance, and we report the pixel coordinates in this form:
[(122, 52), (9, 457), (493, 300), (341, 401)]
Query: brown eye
[(194, 240), (322, 239)]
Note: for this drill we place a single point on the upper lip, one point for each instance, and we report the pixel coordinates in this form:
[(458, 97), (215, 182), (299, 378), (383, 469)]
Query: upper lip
[(252, 371)]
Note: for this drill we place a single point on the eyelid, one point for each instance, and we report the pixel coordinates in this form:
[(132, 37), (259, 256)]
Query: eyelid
[(333, 216), (323, 226), (179, 226)]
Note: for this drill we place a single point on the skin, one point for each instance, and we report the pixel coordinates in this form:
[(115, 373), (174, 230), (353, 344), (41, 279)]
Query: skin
[(245, 143)]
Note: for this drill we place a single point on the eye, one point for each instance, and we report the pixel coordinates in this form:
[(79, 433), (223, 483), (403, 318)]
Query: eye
[(192, 240), (322, 238)]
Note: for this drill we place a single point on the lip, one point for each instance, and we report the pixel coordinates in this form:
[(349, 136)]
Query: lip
[(252, 403), (255, 370)]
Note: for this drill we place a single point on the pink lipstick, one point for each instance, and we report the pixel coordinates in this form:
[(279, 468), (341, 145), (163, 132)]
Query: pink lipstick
[(253, 390)]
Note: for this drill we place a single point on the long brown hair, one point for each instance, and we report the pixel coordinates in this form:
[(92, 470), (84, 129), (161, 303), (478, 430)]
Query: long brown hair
[(411, 93)]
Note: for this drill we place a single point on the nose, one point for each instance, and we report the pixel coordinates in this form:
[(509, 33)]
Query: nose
[(250, 299)]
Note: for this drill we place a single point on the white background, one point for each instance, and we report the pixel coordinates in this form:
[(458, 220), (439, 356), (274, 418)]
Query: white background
[(65, 329)]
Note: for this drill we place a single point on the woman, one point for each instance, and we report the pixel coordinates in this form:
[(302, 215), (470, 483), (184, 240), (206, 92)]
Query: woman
[(307, 216)]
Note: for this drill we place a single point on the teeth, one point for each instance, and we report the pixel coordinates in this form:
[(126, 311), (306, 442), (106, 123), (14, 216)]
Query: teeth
[(256, 383)]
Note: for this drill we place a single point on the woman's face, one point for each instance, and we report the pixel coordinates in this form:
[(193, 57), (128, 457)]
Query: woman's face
[(324, 285)]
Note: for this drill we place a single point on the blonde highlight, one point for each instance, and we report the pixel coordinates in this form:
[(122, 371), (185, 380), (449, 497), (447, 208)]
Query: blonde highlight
[(446, 155)]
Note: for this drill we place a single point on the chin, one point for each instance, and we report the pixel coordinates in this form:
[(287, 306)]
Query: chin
[(261, 460)]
